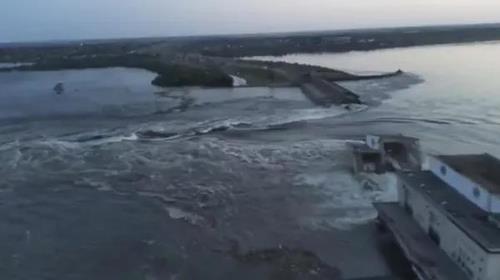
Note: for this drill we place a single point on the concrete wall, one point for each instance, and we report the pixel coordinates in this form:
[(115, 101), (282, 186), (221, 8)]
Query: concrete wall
[(412, 160), (493, 267), (495, 203), (469, 189), (415, 154), (474, 261)]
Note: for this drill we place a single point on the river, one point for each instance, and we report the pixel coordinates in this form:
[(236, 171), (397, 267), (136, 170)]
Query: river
[(117, 179)]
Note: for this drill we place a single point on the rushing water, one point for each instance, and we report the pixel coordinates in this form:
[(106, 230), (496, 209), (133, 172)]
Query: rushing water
[(117, 179)]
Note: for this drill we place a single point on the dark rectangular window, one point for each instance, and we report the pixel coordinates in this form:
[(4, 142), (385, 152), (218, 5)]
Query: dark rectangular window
[(434, 236)]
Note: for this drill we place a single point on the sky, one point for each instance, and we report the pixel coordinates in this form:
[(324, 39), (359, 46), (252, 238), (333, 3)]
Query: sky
[(40, 20)]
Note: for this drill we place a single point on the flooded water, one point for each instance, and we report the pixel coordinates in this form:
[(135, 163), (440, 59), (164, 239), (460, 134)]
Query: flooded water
[(109, 92), (117, 179)]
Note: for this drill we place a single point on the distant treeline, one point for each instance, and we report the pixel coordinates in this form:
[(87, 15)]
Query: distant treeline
[(361, 40), (169, 75)]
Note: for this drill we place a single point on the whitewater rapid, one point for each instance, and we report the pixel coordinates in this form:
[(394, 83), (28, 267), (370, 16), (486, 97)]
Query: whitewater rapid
[(179, 175)]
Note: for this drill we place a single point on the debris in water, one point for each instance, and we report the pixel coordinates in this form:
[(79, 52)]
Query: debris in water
[(59, 88)]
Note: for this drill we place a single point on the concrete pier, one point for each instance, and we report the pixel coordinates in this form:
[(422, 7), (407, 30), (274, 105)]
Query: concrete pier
[(325, 93)]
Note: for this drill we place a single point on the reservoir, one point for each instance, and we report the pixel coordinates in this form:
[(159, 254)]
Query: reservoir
[(449, 89)]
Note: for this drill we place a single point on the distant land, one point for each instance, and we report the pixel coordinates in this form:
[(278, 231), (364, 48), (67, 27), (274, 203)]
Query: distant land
[(212, 60), (333, 32), (238, 45), (344, 40)]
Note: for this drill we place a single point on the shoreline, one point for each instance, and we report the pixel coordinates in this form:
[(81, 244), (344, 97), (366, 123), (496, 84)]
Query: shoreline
[(319, 84)]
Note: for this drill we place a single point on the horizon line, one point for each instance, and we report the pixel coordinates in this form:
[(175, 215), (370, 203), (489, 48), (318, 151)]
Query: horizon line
[(250, 34)]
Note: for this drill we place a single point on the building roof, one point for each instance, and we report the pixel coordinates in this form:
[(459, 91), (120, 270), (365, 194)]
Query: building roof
[(395, 137), (363, 148), (483, 169), (467, 216)]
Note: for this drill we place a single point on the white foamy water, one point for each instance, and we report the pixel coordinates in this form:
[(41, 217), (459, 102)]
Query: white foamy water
[(348, 200), (238, 81), (176, 214), (9, 65)]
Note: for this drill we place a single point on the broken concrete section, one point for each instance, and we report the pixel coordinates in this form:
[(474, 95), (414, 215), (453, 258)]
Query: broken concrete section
[(326, 93), (382, 153)]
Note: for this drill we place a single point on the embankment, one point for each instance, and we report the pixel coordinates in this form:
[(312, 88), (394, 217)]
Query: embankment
[(325, 93)]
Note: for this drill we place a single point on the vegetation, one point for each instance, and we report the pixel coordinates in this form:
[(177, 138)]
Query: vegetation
[(340, 41), (181, 75)]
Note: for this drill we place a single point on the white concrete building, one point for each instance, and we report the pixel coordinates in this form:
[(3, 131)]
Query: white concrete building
[(457, 204), (381, 153), (474, 176)]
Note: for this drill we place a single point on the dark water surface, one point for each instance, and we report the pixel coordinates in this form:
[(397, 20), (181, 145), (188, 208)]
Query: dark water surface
[(117, 179)]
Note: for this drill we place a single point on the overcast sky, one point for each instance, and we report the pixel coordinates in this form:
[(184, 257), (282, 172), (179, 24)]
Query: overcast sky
[(28, 20)]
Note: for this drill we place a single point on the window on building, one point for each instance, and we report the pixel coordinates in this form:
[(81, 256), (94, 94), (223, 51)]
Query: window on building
[(407, 205), (434, 236), (432, 218), (444, 170), (408, 209), (476, 192)]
